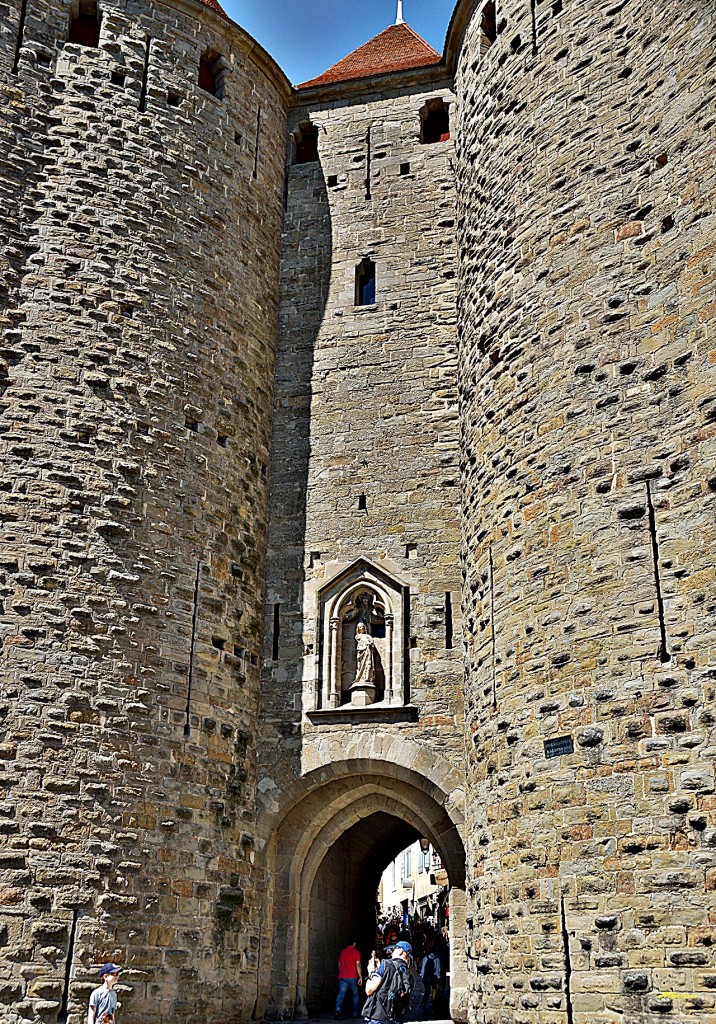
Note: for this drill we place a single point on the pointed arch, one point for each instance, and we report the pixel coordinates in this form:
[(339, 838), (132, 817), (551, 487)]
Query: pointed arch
[(315, 813)]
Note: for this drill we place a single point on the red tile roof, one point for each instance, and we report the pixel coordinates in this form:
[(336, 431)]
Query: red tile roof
[(214, 6), (396, 49)]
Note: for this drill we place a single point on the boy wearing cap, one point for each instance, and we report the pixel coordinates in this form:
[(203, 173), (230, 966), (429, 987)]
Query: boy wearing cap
[(103, 1001)]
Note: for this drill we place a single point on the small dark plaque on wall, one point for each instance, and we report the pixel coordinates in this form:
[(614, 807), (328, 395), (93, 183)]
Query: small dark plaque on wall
[(556, 748)]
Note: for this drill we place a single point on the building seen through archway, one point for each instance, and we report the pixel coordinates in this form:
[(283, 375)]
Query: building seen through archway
[(415, 884)]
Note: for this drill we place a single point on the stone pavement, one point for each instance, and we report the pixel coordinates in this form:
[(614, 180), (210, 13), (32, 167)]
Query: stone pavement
[(329, 1017)]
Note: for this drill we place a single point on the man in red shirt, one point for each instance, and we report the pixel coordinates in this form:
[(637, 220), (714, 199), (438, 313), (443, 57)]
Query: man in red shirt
[(350, 976)]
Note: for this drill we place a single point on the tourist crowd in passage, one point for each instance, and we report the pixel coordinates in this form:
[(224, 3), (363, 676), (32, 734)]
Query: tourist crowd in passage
[(406, 951)]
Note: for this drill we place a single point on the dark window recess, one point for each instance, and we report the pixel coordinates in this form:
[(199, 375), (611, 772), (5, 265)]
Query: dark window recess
[(64, 1013), (434, 122), (405, 169), (218, 642), (211, 73), (257, 146), (448, 620), (488, 26), (118, 77), (332, 180), (145, 76), (365, 283), (368, 161), (276, 630), (362, 504), (20, 36), (173, 98), (559, 746), (306, 144), (84, 27), (207, 77)]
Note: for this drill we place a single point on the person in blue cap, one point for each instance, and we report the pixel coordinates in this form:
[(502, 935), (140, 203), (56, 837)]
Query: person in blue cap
[(103, 1001), (388, 988)]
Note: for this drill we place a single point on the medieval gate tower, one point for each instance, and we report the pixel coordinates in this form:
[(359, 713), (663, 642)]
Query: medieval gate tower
[(359, 485)]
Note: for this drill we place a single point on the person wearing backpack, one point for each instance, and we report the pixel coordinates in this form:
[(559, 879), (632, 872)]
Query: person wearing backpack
[(430, 974), (388, 988)]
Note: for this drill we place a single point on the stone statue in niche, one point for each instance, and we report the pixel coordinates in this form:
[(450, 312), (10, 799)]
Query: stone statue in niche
[(363, 688), (362, 635), (362, 656)]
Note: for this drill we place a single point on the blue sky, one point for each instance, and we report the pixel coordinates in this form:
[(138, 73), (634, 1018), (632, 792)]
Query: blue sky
[(307, 36)]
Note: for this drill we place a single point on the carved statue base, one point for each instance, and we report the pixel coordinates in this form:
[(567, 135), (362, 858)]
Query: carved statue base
[(362, 694)]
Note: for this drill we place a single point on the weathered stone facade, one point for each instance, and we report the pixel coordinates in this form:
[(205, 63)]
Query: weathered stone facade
[(191, 781), (364, 470), (140, 271), (587, 373)]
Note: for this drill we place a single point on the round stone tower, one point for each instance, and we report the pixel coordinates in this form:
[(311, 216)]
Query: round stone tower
[(141, 176), (588, 405)]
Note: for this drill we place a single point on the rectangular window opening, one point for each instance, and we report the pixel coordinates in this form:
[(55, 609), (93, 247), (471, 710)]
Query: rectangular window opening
[(488, 26), (365, 283), (20, 36), (276, 630), (448, 620), (257, 147), (405, 169), (84, 25)]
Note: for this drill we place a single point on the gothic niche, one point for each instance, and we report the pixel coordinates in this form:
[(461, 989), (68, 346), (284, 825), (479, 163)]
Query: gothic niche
[(362, 627)]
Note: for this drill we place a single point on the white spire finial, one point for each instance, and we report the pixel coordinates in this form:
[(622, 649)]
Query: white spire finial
[(399, 20)]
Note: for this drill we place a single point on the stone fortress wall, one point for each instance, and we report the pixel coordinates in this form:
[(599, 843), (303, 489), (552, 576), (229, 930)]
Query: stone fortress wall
[(364, 457), (153, 811), (141, 232), (588, 416)]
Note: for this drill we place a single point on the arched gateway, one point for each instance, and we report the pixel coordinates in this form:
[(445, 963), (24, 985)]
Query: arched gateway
[(336, 830)]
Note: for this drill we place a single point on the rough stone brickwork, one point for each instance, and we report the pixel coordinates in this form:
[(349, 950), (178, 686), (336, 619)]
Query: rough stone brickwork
[(588, 411), (365, 406), (138, 300), (180, 788)]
